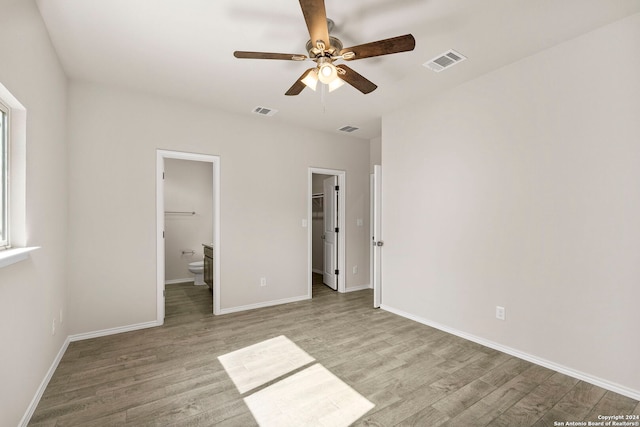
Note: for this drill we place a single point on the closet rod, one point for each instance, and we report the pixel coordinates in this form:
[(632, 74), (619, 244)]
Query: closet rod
[(180, 212)]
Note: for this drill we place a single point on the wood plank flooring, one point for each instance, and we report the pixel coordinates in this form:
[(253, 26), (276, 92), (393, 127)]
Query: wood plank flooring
[(415, 375)]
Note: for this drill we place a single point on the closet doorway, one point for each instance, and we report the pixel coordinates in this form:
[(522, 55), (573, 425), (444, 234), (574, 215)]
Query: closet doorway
[(326, 228)]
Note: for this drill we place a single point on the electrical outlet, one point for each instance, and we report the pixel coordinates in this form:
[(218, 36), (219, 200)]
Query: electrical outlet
[(53, 327), (355, 269), (263, 281), (359, 222), (500, 312)]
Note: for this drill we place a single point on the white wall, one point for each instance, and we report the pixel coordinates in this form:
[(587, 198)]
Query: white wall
[(32, 292), (113, 137), (521, 189), (375, 156), (188, 187)]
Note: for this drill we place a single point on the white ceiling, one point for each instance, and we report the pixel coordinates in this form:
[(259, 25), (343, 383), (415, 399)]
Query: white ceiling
[(184, 48)]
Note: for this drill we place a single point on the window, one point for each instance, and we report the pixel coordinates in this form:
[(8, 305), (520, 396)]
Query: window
[(13, 178), (4, 175)]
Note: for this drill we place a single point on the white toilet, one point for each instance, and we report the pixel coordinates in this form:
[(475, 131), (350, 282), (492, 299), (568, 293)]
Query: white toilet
[(197, 268)]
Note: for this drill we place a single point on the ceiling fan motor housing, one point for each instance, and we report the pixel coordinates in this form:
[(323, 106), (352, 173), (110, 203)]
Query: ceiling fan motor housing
[(334, 48)]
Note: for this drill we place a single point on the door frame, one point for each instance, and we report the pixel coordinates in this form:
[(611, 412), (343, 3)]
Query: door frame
[(375, 253), (342, 224), (160, 250)]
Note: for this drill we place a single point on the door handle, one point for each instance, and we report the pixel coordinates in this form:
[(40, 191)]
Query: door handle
[(378, 243)]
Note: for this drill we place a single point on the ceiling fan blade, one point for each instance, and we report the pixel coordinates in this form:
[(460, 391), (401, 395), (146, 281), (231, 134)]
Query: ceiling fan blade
[(381, 47), (356, 80), (315, 16), (298, 85), (269, 55)]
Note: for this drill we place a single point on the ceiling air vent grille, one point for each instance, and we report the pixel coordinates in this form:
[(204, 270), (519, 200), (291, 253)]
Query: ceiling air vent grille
[(263, 111), (444, 61), (348, 129)]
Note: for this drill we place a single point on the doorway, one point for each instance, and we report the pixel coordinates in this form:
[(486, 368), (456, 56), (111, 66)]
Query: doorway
[(162, 157), (326, 228)]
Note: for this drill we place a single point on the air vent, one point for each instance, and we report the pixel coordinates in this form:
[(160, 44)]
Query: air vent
[(444, 61), (348, 129), (263, 111)]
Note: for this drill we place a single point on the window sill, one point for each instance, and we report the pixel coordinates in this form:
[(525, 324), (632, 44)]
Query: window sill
[(13, 255)]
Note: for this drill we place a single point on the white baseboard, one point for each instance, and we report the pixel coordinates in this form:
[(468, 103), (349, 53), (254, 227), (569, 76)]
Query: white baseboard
[(359, 288), (174, 281), (315, 270), (608, 385), (112, 331), (43, 385), (72, 338), (263, 304)]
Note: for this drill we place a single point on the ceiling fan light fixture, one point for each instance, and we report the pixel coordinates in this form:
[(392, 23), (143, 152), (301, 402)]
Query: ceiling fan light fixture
[(327, 73), (311, 80), (336, 84)]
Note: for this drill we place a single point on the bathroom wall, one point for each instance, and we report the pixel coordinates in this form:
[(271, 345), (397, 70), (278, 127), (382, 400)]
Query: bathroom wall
[(188, 187)]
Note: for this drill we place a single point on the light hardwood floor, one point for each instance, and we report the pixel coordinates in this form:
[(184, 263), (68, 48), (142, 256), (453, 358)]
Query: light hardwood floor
[(415, 375)]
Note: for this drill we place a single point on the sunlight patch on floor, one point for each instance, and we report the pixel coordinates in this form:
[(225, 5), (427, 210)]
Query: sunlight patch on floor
[(256, 365), (311, 397)]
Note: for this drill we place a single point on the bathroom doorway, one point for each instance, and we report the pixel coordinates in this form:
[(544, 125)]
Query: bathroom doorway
[(188, 212), (188, 224), (327, 229)]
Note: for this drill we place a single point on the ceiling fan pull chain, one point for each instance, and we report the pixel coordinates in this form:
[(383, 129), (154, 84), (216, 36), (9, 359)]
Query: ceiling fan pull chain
[(322, 100)]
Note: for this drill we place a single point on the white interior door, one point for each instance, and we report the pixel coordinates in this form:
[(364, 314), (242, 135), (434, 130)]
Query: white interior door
[(376, 237), (330, 216)]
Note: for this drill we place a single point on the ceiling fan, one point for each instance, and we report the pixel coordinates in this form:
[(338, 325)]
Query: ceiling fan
[(324, 49)]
